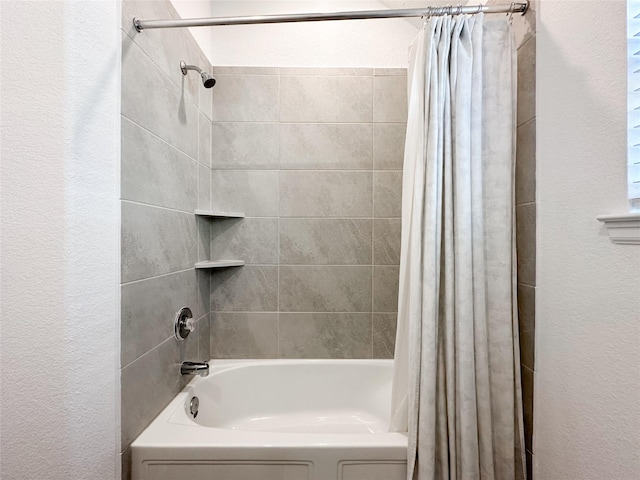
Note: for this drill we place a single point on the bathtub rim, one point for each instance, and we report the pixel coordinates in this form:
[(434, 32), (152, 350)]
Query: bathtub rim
[(162, 433)]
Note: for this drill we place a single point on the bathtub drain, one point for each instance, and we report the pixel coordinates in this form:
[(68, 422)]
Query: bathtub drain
[(193, 406)]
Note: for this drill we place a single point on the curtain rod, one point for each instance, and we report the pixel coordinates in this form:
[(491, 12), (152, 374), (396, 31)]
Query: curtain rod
[(515, 7)]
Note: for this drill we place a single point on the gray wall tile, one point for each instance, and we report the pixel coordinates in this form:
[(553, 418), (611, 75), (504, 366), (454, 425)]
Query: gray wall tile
[(246, 98), (326, 72), (527, 81), (386, 241), (244, 335), (325, 146), (125, 460), (203, 331), (204, 140), (385, 288), (383, 72), (387, 194), (245, 289), (155, 241), (325, 99), (527, 401), (526, 308), (526, 163), (254, 192), (325, 335), (526, 243), (204, 187), (223, 70), (325, 289), (388, 145), (325, 194), (248, 145), (525, 221), (390, 99), (526, 322), (148, 309), (384, 334), (150, 99), (154, 172), (325, 241), (254, 240), (323, 160), (204, 238), (148, 385), (527, 348)]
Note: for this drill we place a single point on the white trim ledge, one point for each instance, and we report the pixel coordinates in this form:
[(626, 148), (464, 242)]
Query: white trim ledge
[(623, 229)]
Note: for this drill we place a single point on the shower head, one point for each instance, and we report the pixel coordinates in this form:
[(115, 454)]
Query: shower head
[(207, 80)]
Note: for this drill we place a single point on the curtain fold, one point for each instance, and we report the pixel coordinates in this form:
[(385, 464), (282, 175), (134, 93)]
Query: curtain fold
[(456, 384)]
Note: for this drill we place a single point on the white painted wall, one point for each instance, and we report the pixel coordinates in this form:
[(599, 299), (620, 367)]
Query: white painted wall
[(360, 43), (197, 9), (587, 392), (59, 261)]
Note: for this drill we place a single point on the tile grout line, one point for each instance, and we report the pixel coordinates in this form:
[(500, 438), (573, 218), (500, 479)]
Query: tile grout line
[(158, 137), (315, 123), (373, 183), (323, 312), (175, 210), (278, 351), (131, 282), (373, 202), (210, 224)]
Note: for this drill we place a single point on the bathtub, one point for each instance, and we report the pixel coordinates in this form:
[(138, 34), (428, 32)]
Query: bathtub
[(277, 419)]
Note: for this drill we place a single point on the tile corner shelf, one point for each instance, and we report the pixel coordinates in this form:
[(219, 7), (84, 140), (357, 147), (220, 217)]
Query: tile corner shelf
[(218, 214), (219, 264)]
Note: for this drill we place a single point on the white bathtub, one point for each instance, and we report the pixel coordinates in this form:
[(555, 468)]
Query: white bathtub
[(277, 419)]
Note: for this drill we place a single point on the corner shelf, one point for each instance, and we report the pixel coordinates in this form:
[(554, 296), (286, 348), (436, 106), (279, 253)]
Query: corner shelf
[(208, 264), (213, 264), (218, 214)]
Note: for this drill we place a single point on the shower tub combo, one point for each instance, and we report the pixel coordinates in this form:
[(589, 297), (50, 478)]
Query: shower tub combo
[(277, 419)]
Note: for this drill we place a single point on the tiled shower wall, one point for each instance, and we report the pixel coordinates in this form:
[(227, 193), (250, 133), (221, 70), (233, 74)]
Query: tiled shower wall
[(165, 174), (313, 157), (526, 229)]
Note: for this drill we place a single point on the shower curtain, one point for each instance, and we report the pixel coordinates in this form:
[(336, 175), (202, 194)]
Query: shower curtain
[(456, 388)]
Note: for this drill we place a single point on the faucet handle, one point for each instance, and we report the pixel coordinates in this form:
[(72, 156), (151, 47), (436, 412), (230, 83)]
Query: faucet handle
[(184, 323), (190, 324)]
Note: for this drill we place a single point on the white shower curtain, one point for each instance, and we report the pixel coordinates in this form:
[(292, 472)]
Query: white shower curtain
[(456, 384)]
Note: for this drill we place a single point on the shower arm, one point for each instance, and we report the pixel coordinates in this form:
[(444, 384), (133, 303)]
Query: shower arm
[(514, 7), (184, 68), (207, 80)]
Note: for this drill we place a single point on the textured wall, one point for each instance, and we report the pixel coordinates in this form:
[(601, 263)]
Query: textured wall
[(166, 160), (314, 157), (60, 224), (587, 421)]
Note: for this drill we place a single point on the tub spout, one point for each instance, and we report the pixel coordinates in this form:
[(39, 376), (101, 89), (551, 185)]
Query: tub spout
[(194, 368)]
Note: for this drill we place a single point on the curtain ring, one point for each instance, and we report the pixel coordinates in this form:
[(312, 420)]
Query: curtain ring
[(513, 6), (479, 9)]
